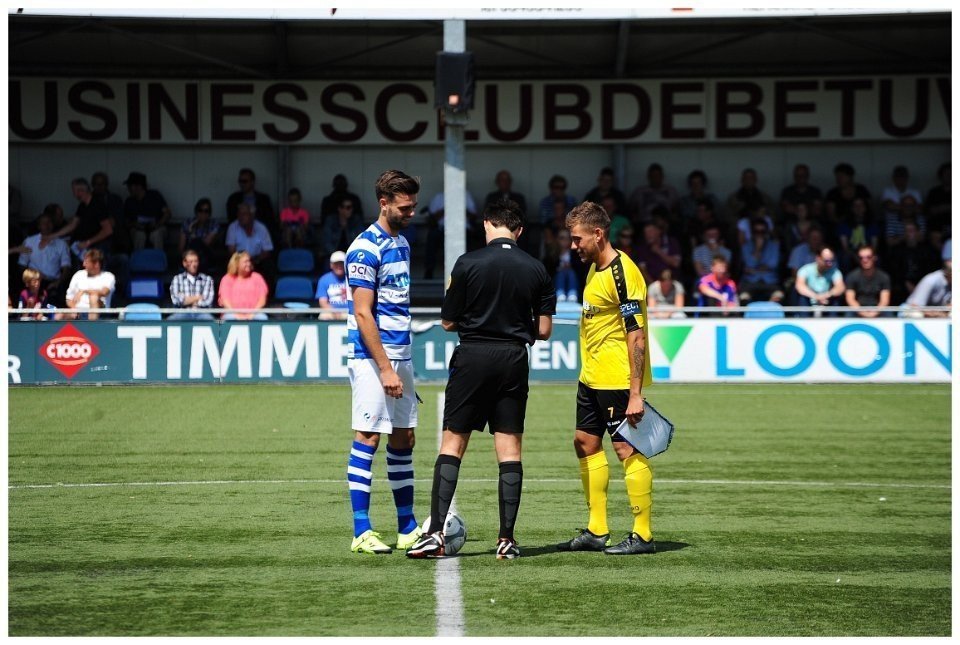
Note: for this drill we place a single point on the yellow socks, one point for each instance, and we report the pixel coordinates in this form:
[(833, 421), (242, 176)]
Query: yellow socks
[(639, 479), (595, 475)]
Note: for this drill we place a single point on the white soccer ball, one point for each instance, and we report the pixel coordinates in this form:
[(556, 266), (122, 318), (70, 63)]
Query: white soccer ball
[(454, 533)]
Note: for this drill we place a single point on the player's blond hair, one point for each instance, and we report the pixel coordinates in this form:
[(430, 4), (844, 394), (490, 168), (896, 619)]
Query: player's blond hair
[(590, 215)]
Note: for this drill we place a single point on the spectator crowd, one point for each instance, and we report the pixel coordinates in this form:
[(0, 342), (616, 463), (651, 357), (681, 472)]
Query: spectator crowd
[(837, 245)]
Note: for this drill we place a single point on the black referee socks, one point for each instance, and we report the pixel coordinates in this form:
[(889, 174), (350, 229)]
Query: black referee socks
[(445, 473), (511, 483)]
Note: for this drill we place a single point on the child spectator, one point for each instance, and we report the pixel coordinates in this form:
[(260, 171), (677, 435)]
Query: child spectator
[(716, 288), (294, 221), (32, 297)]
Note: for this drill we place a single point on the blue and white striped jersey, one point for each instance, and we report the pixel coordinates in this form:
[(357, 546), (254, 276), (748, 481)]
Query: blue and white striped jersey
[(382, 263)]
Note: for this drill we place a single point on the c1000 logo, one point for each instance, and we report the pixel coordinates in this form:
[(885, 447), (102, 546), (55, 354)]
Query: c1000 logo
[(69, 350)]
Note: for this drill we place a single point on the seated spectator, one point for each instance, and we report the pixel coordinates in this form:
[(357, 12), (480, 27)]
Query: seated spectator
[(252, 237), (711, 247), (937, 208), (623, 240), (867, 286), (259, 204), (201, 234), (697, 184), (605, 188), (191, 289), (121, 241), (820, 283), (33, 299), (146, 213), (748, 197), (761, 257), (745, 223), (90, 288), (839, 199), (435, 229), (332, 289), (656, 252), (805, 252), (243, 288), (565, 279), (340, 230), (665, 297), (895, 209), (294, 221), (46, 254), (531, 239), (330, 203), (558, 191), (856, 233), (934, 290), (618, 221), (717, 289), (909, 262), (907, 211), (655, 193), (799, 192), (91, 226)]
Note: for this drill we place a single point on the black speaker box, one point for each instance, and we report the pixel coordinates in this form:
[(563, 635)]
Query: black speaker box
[(454, 81)]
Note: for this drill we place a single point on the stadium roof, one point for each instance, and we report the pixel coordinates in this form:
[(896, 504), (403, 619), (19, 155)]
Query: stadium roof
[(278, 44)]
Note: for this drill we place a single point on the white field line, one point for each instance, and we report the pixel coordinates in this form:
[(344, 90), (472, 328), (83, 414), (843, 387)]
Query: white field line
[(526, 480), (446, 577)]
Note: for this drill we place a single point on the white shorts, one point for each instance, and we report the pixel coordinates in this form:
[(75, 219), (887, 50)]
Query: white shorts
[(373, 410)]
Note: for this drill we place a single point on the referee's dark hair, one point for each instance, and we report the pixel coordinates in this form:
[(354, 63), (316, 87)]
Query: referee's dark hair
[(504, 212), (395, 182)]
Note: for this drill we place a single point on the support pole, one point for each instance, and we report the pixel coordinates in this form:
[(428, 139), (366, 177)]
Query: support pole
[(454, 164)]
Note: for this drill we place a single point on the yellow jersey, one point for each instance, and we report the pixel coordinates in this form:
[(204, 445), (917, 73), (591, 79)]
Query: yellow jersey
[(614, 303)]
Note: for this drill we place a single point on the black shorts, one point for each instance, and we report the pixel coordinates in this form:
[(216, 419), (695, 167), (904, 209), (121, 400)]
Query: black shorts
[(488, 385), (601, 410)]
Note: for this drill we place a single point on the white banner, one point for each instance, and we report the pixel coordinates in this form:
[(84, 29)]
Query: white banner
[(902, 108), (802, 350)]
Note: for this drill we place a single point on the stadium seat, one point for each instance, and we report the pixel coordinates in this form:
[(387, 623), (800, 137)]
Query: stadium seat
[(145, 289), (141, 311), (763, 309), (148, 261), (295, 261), (568, 310), (294, 288)]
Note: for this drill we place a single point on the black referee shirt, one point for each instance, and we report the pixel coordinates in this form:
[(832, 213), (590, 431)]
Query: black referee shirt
[(497, 294)]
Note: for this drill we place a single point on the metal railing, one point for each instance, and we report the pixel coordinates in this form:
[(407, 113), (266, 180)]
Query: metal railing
[(113, 313)]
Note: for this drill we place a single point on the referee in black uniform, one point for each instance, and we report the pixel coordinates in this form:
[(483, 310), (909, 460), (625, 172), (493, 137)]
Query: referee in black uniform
[(500, 300)]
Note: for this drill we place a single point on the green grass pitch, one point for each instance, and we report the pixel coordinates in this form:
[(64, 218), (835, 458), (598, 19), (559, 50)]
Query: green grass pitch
[(787, 510)]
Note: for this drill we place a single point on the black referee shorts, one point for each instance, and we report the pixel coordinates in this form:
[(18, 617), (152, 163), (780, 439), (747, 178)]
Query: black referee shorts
[(487, 386), (600, 411)]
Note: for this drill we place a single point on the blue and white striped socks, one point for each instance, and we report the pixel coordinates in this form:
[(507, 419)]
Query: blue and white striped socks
[(359, 478), (400, 474)]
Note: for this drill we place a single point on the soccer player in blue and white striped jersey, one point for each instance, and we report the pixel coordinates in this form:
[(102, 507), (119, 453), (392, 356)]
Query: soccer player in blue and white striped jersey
[(379, 361)]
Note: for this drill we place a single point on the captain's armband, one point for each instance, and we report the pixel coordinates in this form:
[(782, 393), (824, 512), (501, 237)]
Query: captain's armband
[(630, 311)]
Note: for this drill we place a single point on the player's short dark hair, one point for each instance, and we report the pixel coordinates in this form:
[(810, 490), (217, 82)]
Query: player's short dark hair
[(395, 182), (504, 213), (590, 215)]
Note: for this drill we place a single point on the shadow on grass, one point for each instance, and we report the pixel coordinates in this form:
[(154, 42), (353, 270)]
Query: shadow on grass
[(531, 552)]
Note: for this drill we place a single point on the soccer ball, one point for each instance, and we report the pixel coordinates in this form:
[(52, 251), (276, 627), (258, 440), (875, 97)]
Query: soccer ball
[(454, 533)]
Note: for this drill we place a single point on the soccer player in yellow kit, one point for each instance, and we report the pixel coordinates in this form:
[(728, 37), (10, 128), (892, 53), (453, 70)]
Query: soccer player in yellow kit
[(615, 365)]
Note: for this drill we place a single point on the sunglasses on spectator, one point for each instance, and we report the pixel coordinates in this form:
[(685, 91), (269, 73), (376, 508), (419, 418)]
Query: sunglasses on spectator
[(759, 231), (557, 186), (244, 180), (865, 257), (203, 210), (347, 206)]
